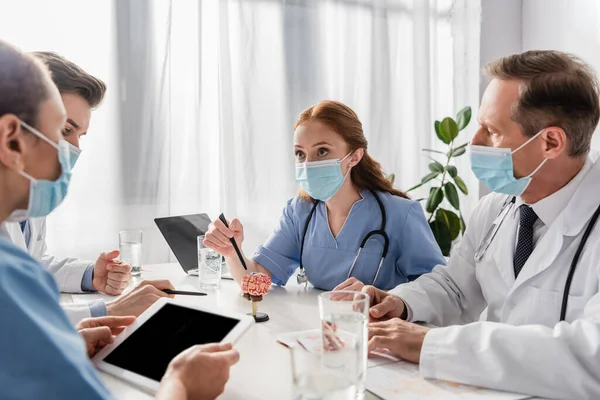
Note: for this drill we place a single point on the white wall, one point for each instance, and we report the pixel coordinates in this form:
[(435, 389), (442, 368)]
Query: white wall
[(501, 35), (566, 25)]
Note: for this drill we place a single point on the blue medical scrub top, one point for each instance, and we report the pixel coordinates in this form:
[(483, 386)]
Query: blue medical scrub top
[(413, 250), (41, 355)]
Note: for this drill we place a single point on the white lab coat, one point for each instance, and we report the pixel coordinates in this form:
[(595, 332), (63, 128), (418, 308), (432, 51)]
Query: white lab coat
[(68, 272), (521, 346)]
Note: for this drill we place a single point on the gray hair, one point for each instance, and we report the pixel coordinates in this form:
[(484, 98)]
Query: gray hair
[(24, 84)]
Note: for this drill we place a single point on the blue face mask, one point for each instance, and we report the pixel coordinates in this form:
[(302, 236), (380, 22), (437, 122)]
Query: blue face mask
[(494, 167), (321, 180), (45, 196), (74, 153)]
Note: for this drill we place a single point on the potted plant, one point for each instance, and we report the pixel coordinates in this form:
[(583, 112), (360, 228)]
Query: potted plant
[(445, 224)]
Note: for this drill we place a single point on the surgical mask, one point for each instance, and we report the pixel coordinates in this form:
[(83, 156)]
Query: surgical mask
[(494, 167), (321, 180), (74, 153), (44, 195)]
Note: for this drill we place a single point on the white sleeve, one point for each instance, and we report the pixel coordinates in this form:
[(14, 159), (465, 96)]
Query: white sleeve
[(68, 272), (76, 312), (559, 362), (451, 294)]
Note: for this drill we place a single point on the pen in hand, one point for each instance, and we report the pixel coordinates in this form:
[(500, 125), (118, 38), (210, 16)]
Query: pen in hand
[(233, 243)]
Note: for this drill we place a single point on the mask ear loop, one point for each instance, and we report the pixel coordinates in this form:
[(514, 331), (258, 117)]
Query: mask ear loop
[(38, 134), (525, 144), (349, 168), (529, 141), (538, 168)]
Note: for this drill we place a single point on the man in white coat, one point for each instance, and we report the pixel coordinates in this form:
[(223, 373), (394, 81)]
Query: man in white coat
[(80, 93), (538, 336)]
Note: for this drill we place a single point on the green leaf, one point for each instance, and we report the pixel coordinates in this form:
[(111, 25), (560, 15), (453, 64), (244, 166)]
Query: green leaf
[(442, 236), (463, 225), (452, 170), (462, 146), (436, 196), (463, 118), (436, 167), (441, 135), (391, 178), (430, 176), (435, 151), (457, 152), (461, 184), (449, 129), (451, 220), (452, 195)]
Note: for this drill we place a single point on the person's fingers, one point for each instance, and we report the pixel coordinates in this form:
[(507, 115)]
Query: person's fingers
[(113, 291), (160, 284), (112, 321), (371, 292), (215, 347), (383, 308), (377, 331), (355, 287), (117, 281), (118, 329), (220, 226), (347, 283), (218, 237), (154, 292), (121, 268), (212, 242), (110, 255), (231, 356), (235, 226), (98, 334), (379, 342)]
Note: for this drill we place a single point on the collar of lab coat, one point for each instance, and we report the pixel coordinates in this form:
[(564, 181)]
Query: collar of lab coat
[(569, 222), (584, 201), (551, 208)]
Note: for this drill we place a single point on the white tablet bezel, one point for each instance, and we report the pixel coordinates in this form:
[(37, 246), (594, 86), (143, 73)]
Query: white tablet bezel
[(146, 383)]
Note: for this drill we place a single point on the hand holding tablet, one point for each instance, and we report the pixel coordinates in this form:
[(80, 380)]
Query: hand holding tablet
[(159, 339), (202, 370)]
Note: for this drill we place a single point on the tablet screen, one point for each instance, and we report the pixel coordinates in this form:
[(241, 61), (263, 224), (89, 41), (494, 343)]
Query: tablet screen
[(163, 336)]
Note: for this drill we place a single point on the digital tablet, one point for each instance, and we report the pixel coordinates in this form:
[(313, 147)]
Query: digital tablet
[(142, 352)]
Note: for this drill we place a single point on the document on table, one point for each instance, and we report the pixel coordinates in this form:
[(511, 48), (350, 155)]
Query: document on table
[(392, 379), (311, 341), (402, 381)]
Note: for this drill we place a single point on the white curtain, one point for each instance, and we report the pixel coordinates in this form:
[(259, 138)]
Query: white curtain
[(203, 96)]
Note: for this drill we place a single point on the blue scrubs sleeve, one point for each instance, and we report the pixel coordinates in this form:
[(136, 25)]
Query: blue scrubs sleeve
[(419, 252), (280, 254), (42, 355)]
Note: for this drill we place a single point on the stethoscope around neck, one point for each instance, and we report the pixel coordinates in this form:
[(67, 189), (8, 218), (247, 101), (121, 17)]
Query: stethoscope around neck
[(491, 234), (302, 278)]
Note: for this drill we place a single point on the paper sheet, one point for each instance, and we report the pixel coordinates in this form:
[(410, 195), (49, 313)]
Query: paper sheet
[(402, 381), (312, 342)]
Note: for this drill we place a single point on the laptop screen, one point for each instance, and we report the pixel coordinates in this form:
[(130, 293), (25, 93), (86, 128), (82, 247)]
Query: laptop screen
[(181, 233)]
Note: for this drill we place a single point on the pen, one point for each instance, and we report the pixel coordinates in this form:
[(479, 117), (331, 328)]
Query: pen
[(183, 292), (235, 246)]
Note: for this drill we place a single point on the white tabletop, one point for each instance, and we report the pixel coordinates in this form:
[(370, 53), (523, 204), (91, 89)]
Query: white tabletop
[(264, 370)]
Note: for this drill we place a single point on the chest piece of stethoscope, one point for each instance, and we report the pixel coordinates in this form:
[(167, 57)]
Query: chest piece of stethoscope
[(302, 279)]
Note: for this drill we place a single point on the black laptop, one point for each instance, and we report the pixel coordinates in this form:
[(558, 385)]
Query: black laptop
[(181, 233)]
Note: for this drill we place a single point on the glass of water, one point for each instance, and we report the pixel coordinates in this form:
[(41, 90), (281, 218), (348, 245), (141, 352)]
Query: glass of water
[(209, 266), (130, 247), (313, 380), (344, 328)]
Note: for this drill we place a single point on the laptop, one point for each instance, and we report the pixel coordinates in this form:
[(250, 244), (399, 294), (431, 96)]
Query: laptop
[(181, 233)]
